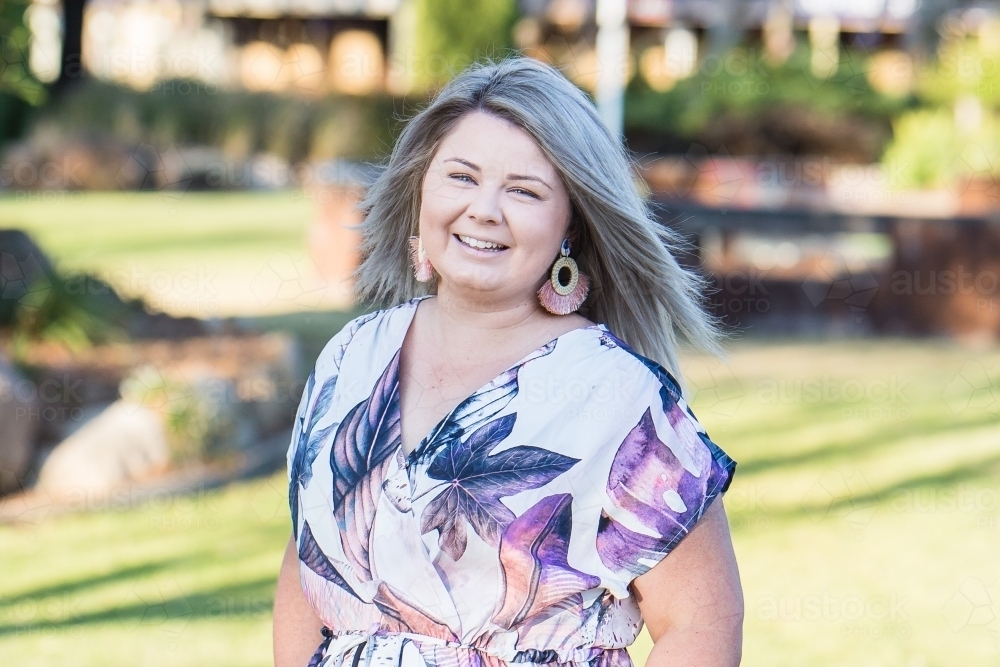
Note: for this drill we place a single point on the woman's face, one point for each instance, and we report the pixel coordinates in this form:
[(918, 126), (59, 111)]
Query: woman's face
[(493, 211)]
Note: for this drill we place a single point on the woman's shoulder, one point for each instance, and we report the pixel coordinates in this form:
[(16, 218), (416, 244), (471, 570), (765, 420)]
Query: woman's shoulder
[(637, 368), (370, 324), (647, 384)]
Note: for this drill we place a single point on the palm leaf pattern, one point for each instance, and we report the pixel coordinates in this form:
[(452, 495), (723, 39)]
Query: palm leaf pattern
[(476, 410), (309, 441), (475, 481), (533, 562), (648, 481), (306, 442), (361, 451), (519, 524), (312, 556)]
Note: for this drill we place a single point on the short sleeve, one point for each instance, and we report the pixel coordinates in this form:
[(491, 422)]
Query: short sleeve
[(664, 475), (317, 396)]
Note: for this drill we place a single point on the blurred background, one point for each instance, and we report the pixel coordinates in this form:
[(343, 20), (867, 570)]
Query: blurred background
[(176, 182)]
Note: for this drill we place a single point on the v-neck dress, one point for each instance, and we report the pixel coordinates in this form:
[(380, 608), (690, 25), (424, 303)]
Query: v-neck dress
[(510, 534)]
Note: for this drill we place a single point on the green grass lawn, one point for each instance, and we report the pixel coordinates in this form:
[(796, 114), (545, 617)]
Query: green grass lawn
[(187, 253), (865, 513)]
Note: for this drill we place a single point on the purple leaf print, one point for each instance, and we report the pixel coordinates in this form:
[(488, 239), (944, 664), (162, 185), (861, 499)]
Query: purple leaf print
[(401, 616), (649, 482), (359, 459), (309, 443), (312, 556), (311, 382), (478, 409), (620, 548), (536, 574), (476, 481)]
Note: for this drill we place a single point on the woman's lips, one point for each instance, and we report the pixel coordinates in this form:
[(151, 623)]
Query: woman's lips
[(481, 245)]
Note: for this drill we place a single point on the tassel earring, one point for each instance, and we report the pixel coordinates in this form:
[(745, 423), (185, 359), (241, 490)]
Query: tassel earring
[(422, 269), (567, 286)]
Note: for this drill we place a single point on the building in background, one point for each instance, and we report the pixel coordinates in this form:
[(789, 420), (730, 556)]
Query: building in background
[(670, 38), (358, 46), (308, 47)]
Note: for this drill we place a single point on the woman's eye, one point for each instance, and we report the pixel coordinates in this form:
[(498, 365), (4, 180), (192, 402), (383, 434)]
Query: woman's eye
[(463, 176), (527, 192)]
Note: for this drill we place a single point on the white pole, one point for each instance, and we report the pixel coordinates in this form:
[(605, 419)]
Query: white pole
[(612, 58)]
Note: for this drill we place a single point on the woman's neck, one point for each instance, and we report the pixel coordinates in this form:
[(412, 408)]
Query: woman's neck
[(457, 318)]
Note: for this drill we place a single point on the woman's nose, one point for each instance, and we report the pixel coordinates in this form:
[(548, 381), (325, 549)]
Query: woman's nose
[(485, 205)]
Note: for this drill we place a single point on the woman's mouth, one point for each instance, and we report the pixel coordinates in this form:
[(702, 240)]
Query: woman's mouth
[(479, 244)]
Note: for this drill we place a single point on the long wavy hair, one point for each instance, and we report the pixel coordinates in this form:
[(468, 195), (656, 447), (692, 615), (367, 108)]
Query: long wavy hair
[(638, 290)]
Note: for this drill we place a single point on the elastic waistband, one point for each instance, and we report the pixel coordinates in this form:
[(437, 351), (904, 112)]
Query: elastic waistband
[(361, 636), (344, 641)]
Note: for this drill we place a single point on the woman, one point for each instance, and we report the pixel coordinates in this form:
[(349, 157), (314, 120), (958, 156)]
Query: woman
[(494, 470)]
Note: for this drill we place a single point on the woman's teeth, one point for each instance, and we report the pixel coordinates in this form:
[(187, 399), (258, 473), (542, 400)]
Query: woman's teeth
[(480, 245)]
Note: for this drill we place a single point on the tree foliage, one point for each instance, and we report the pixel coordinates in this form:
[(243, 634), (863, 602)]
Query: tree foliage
[(451, 34), (15, 76)]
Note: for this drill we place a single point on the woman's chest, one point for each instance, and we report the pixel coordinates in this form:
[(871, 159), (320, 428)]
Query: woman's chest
[(433, 381), (428, 390)]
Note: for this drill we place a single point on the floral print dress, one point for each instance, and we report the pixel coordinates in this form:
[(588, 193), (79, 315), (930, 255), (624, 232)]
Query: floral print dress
[(512, 531)]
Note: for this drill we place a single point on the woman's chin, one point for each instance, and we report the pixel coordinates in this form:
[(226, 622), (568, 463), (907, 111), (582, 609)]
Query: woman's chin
[(483, 284)]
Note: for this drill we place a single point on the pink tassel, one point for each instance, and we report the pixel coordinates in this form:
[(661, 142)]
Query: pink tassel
[(564, 305), (422, 269)]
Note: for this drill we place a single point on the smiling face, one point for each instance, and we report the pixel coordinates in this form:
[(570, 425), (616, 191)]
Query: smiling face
[(493, 211)]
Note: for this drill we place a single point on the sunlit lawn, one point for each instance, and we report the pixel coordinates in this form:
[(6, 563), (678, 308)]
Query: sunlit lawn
[(203, 254), (865, 509), (867, 528)]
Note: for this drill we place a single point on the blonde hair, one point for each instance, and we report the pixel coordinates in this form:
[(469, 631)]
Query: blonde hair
[(638, 290)]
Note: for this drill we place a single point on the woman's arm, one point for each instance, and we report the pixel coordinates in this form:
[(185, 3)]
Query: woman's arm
[(296, 627), (692, 600)]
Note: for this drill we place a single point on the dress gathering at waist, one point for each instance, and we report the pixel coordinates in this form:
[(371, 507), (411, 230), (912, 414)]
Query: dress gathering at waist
[(377, 648)]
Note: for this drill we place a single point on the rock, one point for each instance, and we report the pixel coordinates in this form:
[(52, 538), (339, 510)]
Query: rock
[(126, 442), (18, 423), (220, 396), (24, 270)]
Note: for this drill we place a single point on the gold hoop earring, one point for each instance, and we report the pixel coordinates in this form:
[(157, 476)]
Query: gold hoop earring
[(561, 298)]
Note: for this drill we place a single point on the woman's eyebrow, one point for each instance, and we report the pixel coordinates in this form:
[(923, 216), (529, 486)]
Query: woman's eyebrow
[(522, 177), (513, 177), (470, 165)]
